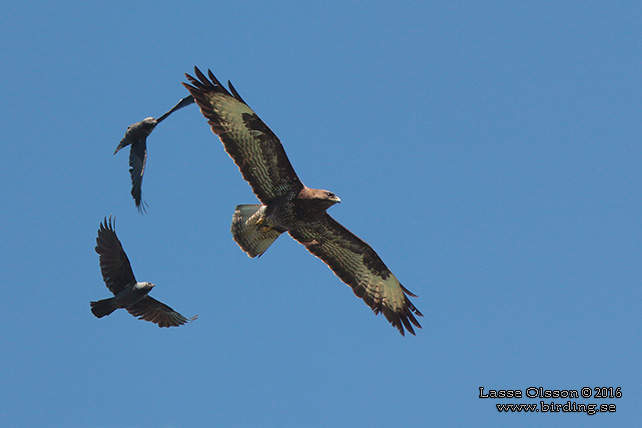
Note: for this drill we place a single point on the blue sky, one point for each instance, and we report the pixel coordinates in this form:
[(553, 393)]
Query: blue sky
[(488, 151)]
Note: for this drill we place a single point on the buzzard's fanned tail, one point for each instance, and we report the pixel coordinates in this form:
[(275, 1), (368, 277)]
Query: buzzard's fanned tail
[(249, 232)]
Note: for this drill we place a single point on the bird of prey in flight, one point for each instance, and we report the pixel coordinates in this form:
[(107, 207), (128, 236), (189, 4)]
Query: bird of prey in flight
[(287, 205), (136, 136), (128, 293)]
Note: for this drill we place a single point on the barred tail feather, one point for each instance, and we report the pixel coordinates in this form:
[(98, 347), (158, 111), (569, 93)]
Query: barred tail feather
[(249, 232)]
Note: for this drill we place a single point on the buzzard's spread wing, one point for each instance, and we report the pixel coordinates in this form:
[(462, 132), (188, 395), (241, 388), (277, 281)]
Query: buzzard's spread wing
[(357, 264), (137, 159), (114, 264), (150, 309), (250, 143)]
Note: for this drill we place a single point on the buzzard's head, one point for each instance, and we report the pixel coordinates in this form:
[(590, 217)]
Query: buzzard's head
[(331, 197), (319, 197), (326, 196), (312, 203)]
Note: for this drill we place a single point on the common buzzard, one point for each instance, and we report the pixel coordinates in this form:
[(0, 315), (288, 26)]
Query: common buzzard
[(287, 205), (128, 293), (136, 135)]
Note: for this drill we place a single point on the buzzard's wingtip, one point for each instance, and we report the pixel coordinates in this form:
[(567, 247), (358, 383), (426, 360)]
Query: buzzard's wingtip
[(406, 323), (200, 75), (408, 292), (235, 92), (191, 78)]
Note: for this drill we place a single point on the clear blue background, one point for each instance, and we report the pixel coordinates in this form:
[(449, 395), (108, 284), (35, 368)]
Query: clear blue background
[(489, 151)]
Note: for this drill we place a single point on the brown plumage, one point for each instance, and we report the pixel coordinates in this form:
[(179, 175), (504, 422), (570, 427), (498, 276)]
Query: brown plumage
[(288, 205)]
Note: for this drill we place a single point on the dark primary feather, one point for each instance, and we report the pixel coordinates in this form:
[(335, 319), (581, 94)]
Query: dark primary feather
[(246, 138), (114, 264)]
